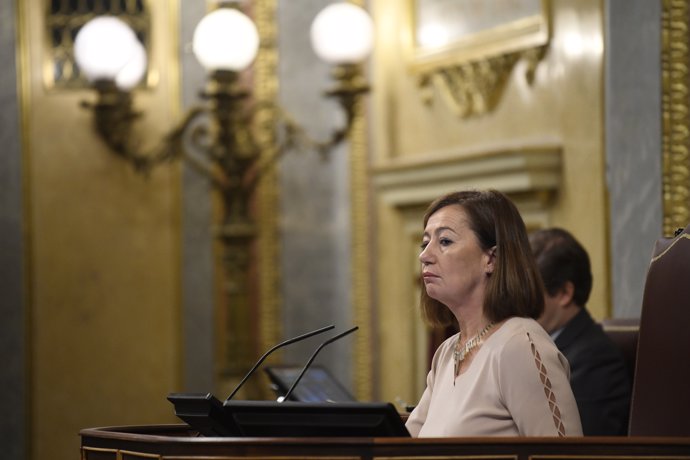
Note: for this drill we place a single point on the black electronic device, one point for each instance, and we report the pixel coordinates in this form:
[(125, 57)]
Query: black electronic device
[(317, 385), (210, 417), (301, 419), (203, 412), (207, 415)]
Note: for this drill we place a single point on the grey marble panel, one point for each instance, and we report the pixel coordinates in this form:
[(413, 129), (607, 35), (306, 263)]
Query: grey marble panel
[(13, 372), (315, 212), (197, 255), (633, 145)]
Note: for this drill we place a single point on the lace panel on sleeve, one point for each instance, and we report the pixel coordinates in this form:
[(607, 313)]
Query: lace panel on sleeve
[(548, 391)]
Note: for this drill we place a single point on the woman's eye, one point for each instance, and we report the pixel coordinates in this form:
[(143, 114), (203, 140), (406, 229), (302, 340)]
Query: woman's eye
[(445, 241), (424, 245)]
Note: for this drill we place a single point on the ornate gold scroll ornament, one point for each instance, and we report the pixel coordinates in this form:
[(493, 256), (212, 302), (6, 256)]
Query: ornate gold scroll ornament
[(676, 121)]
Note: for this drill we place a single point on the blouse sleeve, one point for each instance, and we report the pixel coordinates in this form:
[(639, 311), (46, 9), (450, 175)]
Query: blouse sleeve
[(418, 416), (534, 385)]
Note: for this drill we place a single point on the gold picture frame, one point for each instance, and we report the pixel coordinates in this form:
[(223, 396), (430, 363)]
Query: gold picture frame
[(469, 69)]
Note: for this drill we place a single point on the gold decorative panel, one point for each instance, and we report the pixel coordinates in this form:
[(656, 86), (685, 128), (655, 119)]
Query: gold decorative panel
[(676, 121), (361, 250), (265, 89), (102, 249)]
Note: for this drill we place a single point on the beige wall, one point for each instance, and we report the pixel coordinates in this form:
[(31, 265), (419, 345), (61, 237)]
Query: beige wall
[(102, 257), (560, 115)]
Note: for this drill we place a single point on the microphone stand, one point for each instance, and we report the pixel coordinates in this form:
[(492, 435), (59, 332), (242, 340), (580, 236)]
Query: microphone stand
[(280, 345), (313, 356)]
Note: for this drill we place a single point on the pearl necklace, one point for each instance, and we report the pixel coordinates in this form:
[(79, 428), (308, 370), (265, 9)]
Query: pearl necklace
[(459, 354)]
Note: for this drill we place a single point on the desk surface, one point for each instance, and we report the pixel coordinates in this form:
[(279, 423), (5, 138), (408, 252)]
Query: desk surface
[(178, 441)]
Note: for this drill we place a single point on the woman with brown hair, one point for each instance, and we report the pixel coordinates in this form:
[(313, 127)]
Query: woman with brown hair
[(501, 375)]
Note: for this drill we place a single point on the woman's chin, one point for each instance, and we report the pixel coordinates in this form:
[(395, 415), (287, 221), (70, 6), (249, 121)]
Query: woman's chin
[(433, 293)]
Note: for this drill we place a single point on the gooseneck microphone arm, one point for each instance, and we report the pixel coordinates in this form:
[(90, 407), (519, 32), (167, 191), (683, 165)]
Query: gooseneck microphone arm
[(313, 356), (280, 345)]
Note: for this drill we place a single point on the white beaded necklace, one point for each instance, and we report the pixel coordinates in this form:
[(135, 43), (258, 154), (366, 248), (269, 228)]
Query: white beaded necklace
[(460, 354)]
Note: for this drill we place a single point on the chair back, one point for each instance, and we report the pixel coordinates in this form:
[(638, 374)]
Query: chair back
[(624, 333), (661, 391)]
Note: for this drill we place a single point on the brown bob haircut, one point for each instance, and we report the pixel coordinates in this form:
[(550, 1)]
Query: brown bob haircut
[(515, 287)]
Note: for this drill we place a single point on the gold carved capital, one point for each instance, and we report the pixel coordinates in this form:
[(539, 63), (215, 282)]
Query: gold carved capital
[(470, 71), (474, 88)]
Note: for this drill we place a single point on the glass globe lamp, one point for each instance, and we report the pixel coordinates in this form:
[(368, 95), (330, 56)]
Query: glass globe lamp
[(342, 33), (106, 48), (133, 72), (225, 39)]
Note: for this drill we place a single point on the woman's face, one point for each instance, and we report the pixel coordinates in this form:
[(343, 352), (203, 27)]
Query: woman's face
[(455, 269)]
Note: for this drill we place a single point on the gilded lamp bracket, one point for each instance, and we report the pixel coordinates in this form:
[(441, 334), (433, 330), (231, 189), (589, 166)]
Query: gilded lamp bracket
[(227, 146)]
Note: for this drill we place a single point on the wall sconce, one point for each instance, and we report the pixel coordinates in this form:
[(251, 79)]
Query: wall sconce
[(219, 130), (114, 61)]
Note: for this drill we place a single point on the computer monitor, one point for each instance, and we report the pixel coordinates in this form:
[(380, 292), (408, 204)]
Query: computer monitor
[(317, 384)]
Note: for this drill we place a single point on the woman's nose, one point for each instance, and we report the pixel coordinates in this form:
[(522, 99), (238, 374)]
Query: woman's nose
[(425, 255)]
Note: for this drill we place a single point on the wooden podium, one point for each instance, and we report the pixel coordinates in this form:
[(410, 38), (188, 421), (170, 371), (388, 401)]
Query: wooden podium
[(178, 442)]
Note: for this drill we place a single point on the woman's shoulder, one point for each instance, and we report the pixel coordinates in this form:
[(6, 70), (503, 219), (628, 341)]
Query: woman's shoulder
[(518, 331), (519, 326), (522, 345)]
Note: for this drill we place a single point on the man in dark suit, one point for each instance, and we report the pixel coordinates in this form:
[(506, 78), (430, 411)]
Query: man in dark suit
[(598, 373)]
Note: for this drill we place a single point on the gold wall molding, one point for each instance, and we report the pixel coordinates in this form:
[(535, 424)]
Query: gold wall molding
[(676, 120), (363, 359), (524, 170), (266, 86)]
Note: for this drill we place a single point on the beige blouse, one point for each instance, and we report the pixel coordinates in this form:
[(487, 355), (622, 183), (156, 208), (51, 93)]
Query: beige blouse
[(516, 385)]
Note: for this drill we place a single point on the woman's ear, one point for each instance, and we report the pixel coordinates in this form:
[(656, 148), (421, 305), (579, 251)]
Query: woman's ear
[(491, 260)]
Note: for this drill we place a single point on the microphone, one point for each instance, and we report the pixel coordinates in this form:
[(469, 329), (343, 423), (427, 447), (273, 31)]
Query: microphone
[(313, 356), (280, 345)]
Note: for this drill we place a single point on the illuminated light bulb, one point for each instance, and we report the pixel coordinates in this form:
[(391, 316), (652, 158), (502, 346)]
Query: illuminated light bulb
[(132, 73), (225, 39), (342, 33), (103, 47)]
